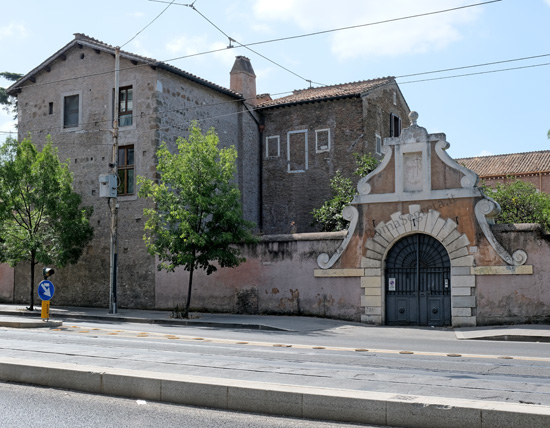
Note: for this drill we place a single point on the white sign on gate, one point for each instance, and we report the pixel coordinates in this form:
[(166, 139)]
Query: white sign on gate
[(391, 284)]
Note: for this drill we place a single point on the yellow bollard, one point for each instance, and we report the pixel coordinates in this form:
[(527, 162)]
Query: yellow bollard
[(45, 310)]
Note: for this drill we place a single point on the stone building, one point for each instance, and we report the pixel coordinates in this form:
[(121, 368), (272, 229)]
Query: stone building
[(70, 96), (288, 149), (313, 133)]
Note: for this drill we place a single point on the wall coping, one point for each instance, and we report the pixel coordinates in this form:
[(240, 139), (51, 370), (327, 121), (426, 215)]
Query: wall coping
[(519, 227), (315, 236)]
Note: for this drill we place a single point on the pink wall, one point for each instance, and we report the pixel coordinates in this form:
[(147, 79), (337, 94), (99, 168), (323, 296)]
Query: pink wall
[(517, 298), (277, 278), (6, 283)]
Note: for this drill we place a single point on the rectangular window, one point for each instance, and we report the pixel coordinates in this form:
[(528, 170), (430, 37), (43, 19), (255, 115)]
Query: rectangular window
[(125, 106), (322, 140), (395, 125), (125, 170), (297, 151), (378, 148), (272, 147), (50, 108), (71, 106)]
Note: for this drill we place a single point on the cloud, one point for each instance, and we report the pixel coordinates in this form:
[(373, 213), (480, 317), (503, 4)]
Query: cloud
[(12, 30), (420, 34), (136, 14), (485, 153), (184, 45)]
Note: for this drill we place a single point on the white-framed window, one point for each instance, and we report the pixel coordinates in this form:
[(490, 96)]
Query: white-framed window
[(272, 146), (378, 146), (322, 140), (125, 106), (71, 118), (297, 151)]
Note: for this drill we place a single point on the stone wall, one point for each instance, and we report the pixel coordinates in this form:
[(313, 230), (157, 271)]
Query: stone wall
[(277, 278)]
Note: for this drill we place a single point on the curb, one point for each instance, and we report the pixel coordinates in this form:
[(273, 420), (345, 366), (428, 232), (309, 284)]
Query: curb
[(275, 399), (140, 320), (30, 324)]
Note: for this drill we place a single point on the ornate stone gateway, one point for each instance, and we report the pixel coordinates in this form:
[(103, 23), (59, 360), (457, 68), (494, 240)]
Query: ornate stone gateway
[(418, 282), (418, 224)]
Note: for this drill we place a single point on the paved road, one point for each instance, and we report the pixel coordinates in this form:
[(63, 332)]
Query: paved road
[(426, 362), (25, 406)]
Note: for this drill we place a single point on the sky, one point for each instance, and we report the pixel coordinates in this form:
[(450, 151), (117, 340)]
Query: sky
[(494, 109)]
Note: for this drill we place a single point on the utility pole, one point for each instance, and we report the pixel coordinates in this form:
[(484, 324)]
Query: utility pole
[(113, 202)]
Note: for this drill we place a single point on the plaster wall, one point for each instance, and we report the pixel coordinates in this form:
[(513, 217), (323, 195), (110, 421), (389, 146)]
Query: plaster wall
[(6, 283), (277, 278), (515, 299)]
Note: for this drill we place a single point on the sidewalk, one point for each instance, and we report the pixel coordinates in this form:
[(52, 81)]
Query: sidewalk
[(357, 406), (17, 316)]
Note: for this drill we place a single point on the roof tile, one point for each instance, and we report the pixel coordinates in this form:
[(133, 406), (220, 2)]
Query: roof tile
[(508, 164), (324, 92)]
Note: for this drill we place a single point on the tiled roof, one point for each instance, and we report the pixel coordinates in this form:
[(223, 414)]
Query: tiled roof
[(509, 164), (83, 39), (328, 92)]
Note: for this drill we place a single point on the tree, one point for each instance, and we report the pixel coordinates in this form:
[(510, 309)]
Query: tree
[(329, 216), (521, 202), (197, 219), (9, 103), (41, 220)]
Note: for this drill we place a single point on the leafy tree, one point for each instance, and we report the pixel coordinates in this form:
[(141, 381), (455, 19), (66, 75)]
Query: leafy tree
[(41, 220), (197, 218), (9, 104), (521, 202), (329, 216)]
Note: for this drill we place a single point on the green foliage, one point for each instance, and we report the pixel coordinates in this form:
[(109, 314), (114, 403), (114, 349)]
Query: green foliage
[(41, 220), (329, 216), (197, 219), (9, 103), (521, 202)]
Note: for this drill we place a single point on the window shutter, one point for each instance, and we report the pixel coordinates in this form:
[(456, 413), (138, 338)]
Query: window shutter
[(391, 125)]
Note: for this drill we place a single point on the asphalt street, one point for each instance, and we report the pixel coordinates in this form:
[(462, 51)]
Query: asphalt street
[(293, 366)]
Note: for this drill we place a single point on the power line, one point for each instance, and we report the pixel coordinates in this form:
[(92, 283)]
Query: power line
[(316, 33), (475, 74), (154, 19), (473, 66), (147, 63), (186, 108), (251, 50)]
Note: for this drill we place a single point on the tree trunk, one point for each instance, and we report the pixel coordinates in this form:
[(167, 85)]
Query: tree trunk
[(189, 288), (33, 264)]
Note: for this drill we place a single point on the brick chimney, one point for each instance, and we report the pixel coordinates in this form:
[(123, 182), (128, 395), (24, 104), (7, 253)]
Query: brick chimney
[(243, 79)]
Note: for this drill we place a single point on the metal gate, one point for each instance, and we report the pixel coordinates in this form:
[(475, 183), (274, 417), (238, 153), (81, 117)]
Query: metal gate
[(418, 282)]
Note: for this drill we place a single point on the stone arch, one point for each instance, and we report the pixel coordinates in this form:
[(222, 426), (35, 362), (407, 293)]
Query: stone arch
[(443, 230)]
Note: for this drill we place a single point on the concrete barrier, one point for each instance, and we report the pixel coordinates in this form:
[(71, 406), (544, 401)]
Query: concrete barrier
[(275, 399)]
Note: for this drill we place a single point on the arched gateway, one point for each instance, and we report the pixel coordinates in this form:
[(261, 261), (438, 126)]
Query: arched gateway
[(419, 224), (418, 282)]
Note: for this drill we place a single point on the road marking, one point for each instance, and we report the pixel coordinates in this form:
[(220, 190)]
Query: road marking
[(370, 351)]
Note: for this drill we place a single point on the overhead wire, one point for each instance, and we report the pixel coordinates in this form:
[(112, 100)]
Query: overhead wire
[(154, 19), (351, 27), (251, 50), (274, 40)]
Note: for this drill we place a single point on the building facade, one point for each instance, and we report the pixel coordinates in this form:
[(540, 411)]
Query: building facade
[(288, 149)]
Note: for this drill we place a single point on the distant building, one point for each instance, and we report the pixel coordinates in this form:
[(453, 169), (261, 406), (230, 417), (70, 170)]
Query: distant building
[(531, 167)]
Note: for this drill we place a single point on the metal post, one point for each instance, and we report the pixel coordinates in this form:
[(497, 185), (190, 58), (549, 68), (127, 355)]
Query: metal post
[(113, 202)]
